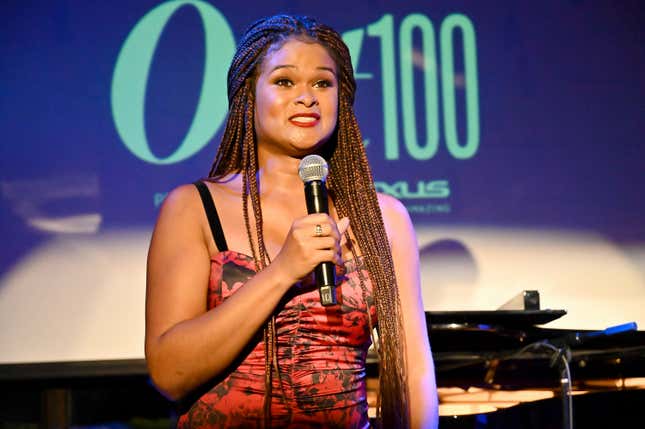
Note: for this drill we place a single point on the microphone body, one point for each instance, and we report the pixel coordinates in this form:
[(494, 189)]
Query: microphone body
[(316, 199)]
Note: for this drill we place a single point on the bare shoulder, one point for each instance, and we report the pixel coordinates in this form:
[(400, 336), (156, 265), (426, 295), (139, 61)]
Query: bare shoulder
[(181, 201), (395, 215), (186, 198), (180, 216), (398, 225)]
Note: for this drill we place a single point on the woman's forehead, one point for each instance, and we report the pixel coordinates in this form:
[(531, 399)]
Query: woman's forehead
[(298, 53)]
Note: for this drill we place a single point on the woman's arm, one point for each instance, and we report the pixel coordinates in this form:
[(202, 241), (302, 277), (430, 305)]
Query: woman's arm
[(185, 344), (420, 368)]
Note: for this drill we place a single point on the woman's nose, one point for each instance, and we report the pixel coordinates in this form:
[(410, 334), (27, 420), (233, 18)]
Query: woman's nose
[(307, 98)]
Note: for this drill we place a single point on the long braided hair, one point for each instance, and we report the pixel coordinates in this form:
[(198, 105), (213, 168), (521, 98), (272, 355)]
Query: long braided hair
[(350, 185)]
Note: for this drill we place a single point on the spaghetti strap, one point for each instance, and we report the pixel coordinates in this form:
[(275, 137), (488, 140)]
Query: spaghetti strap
[(211, 213)]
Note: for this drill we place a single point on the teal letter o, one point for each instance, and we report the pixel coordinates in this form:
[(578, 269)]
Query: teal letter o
[(130, 80)]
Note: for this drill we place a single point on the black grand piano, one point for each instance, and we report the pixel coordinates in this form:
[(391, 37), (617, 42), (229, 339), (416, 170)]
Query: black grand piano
[(501, 369)]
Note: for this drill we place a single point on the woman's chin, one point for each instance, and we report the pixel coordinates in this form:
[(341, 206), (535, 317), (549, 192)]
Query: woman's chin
[(307, 148)]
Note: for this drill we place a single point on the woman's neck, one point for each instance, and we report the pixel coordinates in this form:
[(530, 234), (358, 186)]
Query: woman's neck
[(278, 173)]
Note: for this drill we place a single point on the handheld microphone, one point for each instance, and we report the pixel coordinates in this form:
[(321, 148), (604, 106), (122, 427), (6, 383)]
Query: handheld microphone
[(313, 171)]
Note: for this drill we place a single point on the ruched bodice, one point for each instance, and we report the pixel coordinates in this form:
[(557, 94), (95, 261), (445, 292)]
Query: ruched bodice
[(321, 355)]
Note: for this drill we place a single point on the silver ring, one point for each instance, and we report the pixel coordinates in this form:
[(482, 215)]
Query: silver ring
[(319, 231)]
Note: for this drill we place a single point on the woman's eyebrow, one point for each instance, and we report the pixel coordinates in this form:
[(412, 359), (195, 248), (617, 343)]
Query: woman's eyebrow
[(284, 66), (329, 69)]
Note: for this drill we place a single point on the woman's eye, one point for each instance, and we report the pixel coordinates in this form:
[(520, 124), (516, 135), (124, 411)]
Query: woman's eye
[(323, 84), (283, 82)]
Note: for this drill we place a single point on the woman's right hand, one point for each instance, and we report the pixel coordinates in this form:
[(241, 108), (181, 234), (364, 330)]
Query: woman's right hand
[(311, 240)]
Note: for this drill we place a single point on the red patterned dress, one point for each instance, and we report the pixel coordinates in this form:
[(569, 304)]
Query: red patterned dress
[(321, 355)]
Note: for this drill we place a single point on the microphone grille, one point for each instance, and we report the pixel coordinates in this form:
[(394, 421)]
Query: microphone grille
[(313, 167)]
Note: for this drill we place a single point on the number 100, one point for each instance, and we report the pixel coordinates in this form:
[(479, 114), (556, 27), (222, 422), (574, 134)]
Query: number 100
[(384, 30)]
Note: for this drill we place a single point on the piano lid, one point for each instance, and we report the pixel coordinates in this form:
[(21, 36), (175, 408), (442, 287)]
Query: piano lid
[(506, 318)]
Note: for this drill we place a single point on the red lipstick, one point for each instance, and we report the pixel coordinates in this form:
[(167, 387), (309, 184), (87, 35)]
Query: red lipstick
[(305, 119)]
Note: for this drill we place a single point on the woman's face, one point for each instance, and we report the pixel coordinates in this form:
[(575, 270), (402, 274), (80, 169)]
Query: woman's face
[(296, 104)]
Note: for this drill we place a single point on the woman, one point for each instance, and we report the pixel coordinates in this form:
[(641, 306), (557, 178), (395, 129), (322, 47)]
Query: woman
[(234, 326)]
